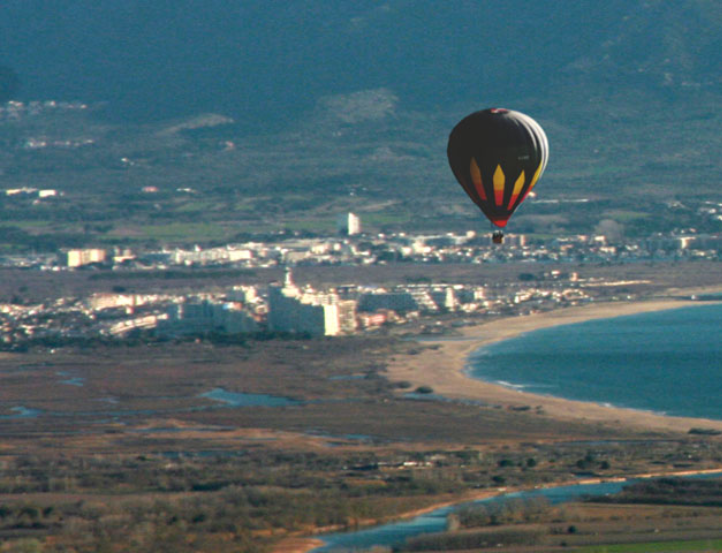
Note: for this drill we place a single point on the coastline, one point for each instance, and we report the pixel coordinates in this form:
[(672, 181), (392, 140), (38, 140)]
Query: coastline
[(442, 368)]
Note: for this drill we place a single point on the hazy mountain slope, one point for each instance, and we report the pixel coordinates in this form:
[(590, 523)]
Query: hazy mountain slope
[(670, 45), (267, 60), (348, 105)]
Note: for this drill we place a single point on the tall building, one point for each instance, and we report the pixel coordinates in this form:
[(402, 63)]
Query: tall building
[(318, 314), (347, 316), (204, 316), (349, 224), (444, 298), (76, 258)]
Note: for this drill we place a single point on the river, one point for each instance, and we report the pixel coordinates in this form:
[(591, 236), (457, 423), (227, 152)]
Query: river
[(395, 533)]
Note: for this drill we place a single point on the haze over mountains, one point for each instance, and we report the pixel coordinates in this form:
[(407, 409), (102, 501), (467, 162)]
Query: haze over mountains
[(250, 59), (624, 88)]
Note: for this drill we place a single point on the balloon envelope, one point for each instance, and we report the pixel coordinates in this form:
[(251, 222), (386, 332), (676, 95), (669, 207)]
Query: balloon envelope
[(498, 155)]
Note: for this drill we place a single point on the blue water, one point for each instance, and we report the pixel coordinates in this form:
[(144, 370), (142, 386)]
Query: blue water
[(224, 397), (22, 412), (235, 399), (76, 381), (395, 533), (668, 362)]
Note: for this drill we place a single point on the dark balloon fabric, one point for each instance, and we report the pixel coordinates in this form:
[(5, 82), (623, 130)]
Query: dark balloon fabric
[(498, 155)]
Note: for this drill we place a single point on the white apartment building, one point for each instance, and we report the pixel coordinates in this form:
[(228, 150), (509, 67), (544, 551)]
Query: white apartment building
[(349, 224), (77, 258), (318, 314)]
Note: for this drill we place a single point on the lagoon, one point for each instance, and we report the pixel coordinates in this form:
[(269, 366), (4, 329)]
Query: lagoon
[(236, 399)]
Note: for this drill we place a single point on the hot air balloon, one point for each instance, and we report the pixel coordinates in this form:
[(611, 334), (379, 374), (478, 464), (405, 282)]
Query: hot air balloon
[(498, 155)]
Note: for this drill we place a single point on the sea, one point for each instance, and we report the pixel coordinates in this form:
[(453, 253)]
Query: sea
[(668, 362)]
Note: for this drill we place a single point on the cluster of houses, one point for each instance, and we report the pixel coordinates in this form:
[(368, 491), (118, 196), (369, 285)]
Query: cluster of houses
[(379, 249), (283, 307), (280, 307)]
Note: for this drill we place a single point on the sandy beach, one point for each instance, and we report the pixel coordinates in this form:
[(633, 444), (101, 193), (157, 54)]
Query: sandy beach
[(442, 368)]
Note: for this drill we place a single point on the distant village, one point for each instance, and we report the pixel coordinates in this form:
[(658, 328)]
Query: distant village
[(284, 307)]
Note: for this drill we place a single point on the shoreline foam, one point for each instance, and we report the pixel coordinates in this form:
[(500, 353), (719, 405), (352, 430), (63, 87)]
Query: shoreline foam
[(444, 368)]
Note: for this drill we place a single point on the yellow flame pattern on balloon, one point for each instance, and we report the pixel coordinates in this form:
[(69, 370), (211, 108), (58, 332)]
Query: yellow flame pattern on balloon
[(476, 179), (499, 181), (536, 176), (518, 185)]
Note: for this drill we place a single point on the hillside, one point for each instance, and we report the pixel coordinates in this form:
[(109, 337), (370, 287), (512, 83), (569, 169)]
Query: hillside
[(282, 117)]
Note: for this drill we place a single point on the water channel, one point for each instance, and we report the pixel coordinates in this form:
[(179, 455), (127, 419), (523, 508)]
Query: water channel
[(395, 533)]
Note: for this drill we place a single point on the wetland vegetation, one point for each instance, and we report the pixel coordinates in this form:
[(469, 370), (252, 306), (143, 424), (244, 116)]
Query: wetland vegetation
[(137, 459)]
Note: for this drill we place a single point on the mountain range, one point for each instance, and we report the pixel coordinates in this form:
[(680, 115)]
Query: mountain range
[(337, 97), (269, 60)]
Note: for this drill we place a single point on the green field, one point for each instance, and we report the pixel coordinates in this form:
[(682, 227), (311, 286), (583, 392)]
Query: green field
[(180, 232), (655, 547)]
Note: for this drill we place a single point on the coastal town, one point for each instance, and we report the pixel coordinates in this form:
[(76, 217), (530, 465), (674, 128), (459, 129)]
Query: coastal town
[(552, 275)]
